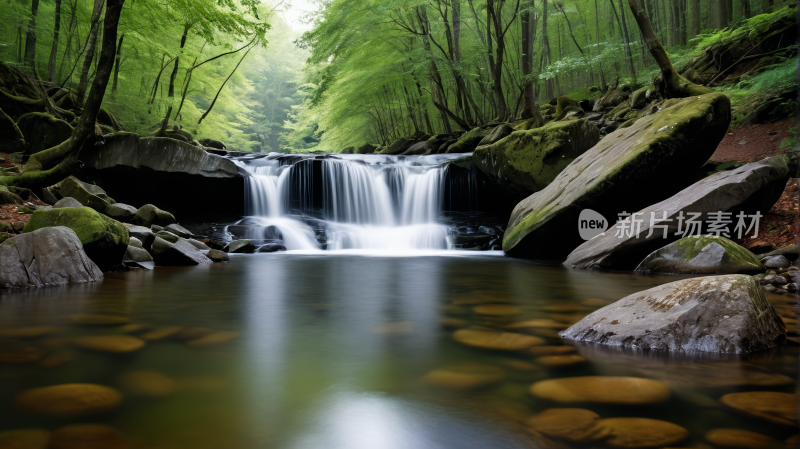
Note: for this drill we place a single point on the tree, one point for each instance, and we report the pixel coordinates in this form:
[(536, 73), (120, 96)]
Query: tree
[(91, 42), (51, 65), (30, 38)]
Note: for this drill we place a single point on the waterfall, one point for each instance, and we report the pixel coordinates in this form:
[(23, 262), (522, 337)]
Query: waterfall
[(340, 202)]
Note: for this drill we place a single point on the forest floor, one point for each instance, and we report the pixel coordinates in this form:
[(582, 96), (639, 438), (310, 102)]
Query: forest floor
[(751, 143), (779, 227)]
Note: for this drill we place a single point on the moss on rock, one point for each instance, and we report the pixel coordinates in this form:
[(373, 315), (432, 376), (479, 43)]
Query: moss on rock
[(705, 254), (149, 215), (43, 131), (468, 141), (87, 194)]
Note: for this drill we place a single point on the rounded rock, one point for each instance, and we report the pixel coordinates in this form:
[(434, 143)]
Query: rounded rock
[(69, 400), (502, 341), (577, 425), (213, 338), (497, 310), (87, 436), (147, 383), (464, 377), (24, 439), (642, 433), (601, 389), (217, 256), (780, 408), (110, 343), (740, 438), (555, 361)]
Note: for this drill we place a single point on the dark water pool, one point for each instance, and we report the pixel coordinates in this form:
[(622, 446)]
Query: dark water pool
[(336, 351)]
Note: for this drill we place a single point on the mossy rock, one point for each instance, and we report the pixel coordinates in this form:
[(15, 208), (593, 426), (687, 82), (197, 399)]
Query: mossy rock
[(566, 105), (43, 131), (366, 149), (532, 159), (619, 111), (706, 254), (11, 138), (168, 236), (149, 215), (104, 239), (87, 194), (9, 197), (469, 141), (612, 98), (628, 170)]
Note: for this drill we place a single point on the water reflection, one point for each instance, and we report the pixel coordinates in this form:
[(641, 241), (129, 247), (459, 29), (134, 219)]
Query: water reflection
[(332, 351)]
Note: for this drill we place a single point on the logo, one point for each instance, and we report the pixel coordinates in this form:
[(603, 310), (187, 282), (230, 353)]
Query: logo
[(591, 224)]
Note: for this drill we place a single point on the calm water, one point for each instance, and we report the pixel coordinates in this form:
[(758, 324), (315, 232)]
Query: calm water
[(332, 350)]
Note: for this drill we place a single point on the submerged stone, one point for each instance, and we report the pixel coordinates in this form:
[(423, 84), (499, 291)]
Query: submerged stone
[(110, 343), (602, 389), (69, 400), (740, 438), (705, 254), (87, 436), (147, 383), (465, 377), (502, 341), (642, 433), (728, 314), (577, 425), (779, 408), (24, 439)]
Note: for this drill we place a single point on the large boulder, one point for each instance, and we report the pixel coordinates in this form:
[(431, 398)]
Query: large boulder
[(43, 131), (704, 254), (87, 194), (137, 254), (144, 235), (67, 202), (532, 159), (178, 253), (176, 175), (399, 146), (120, 211), (751, 188), (499, 132), (11, 138), (46, 257), (104, 239), (468, 141), (728, 314), (366, 149), (626, 171), (148, 215), (613, 97)]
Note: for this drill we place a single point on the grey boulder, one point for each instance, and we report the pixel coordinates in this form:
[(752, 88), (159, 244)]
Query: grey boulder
[(119, 210), (705, 254), (144, 235), (67, 202), (777, 262), (240, 246), (217, 256), (137, 254), (722, 314), (178, 253), (134, 242), (198, 244), (179, 230), (46, 257)]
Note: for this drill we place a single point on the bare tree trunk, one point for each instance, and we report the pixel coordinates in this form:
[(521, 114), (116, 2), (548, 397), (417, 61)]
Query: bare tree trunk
[(171, 92), (597, 35), (695, 17), (117, 63), (626, 41), (530, 110), (51, 65), (90, 50), (546, 59), (30, 39), (422, 16), (675, 85)]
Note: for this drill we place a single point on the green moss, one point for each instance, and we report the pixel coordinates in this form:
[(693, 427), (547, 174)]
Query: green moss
[(468, 140), (693, 245), (531, 222)]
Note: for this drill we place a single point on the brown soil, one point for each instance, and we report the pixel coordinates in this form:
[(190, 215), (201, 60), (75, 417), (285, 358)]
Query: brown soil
[(754, 142), (779, 227)]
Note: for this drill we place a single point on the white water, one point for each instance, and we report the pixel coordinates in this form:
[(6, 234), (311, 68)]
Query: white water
[(367, 202)]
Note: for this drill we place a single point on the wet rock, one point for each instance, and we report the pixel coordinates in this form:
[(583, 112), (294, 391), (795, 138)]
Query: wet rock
[(770, 288), (532, 159), (640, 433), (24, 439), (728, 314), (271, 248), (688, 375), (576, 425), (192, 333), (749, 188), (706, 254), (178, 253), (110, 343), (67, 202), (603, 390), (46, 257), (545, 323), (168, 236), (217, 256), (144, 235), (43, 131), (551, 350), (87, 436), (147, 383), (240, 246), (779, 408), (104, 239), (149, 214), (213, 338), (497, 310), (501, 341), (179, 230), (555, 361), (28, 332), (48, 197), (137, 254), (161, 333), (468, 141), (136, 243), (623, 172), (120, 211), (777, 262), (69, 400), (740, 438), (498, 133), (98, 319), (465, 377), (774, 279), (16, 352), (198, 244), (86, 194)]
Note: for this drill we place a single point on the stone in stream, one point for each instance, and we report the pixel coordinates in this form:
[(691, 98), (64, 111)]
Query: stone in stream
[(557, 361), (87, 194), (67, 202), (271, 248), (501, 341), (104, 239), (136, 243), (727, 314), (751, 188), (624, 172), (502, 310), (777, 262), (24, 439), (144, 235), (120, 211), (498, 133), (214, 338), (532, 159), (179, 230), (148, 215), (46, 257), (198, 244), (168, 236), (146, 383), (740, 438), (178, 253), (240, 246), (705, 254), (465, 377), (779, 408), (119, 344), (639, 433), (137, 254), (217, 256), (576, 425), (602, 390), (68, 400), (87, 436)]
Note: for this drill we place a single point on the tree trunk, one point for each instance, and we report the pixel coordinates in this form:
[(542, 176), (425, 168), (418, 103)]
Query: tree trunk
[(627, 45), (117, 63), (171, 92), (460, 83), (674, 84), (746, 13), (530, 109), (560, 7), (422, 15), (30, 39), (90, 50), (597, 35), (51, 65), (695, 17), (65, 155), (548, 84)]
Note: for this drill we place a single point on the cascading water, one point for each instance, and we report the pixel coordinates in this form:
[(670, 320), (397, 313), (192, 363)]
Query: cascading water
[(337, 202)]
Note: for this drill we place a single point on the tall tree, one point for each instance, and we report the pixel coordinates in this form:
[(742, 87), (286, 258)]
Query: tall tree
[(51, 64), (625, 40), (30, 38), (90, 50), (528, 31)]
